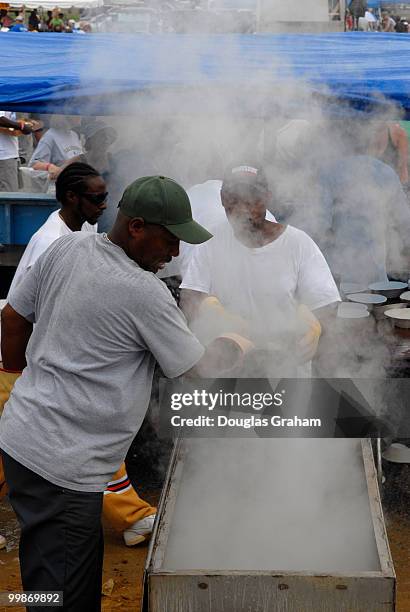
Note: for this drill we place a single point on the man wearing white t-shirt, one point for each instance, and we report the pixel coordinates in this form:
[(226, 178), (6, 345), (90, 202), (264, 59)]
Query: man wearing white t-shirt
[(261, 272), (78, 212), (9, 151)]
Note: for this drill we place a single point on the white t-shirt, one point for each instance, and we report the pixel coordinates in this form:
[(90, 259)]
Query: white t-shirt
[(263, 285), (52, 229), (56, 147), (207, 209), (9, 148)]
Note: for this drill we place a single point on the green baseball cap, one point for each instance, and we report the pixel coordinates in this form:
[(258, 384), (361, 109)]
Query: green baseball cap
[(162, 201)]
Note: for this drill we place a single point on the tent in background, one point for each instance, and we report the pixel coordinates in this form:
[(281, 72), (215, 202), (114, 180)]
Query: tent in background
[(104, 74), (386, 3)]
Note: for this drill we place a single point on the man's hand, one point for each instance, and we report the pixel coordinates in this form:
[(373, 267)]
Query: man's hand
[(309, 342), (53, 171), (26, 128), (229, 322), (223, 356)]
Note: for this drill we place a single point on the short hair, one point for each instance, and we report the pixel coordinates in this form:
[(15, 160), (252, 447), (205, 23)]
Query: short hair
[(73, 178)]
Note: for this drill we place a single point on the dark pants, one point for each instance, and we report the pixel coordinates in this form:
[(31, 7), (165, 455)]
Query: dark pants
[(61, 543)]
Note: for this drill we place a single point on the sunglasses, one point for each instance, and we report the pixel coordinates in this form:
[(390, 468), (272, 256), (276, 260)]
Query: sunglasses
[(95, 198)]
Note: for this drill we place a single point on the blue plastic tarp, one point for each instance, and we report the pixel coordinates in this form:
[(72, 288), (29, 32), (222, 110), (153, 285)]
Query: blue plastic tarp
[(386, 3), (109, 73)]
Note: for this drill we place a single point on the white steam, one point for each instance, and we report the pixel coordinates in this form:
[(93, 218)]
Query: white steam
[(291, 505)]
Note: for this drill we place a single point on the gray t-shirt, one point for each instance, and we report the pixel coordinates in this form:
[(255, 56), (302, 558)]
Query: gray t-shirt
[(57, 146), (101, 324)]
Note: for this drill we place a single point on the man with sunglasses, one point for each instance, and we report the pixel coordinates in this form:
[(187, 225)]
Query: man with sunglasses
[(81, 192)]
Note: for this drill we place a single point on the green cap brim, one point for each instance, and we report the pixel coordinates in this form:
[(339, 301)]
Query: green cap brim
[(190, 232)]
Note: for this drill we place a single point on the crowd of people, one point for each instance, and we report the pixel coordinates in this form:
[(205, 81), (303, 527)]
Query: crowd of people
[(43, 21), (361, 17), (257, 247)]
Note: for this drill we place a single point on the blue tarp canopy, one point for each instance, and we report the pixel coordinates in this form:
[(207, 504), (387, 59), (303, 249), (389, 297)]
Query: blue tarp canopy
[(386, 3), (106, 74)]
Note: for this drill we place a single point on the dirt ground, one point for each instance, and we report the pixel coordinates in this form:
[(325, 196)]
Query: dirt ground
[(125, 566)]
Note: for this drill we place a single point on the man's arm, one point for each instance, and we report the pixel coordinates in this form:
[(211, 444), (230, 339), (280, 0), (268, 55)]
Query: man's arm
[(219, 356), (324, 360), (15, 334), (15, 125), (211, 313), (401, 142), (397, 218)]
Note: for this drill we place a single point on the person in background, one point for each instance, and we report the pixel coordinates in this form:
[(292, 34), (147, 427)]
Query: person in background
[(402, 25), (48, 21), (298, 192), (45, 125), (357, 9), (352, 204), (349, 23), (59, 146), (70, 27), (390, 144), (9, 150), (387, 23), (201, 177), (5, 20), (75, 27), (371, 19), (112, 320), (56, 23), (98, 138), (85, 27), (19, 25), (33, 21)]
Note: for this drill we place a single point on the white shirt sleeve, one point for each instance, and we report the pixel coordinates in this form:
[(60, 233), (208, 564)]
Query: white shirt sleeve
[(316, 287), (198, 276)]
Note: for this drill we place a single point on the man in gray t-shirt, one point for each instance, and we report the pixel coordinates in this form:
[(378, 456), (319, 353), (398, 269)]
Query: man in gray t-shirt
[(103, 319)]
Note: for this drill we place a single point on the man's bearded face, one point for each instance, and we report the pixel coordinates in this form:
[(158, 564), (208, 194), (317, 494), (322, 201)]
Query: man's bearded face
[(245, 208)]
